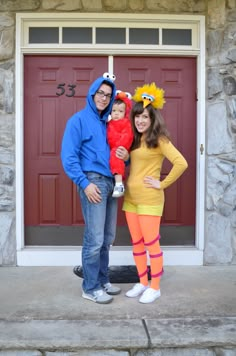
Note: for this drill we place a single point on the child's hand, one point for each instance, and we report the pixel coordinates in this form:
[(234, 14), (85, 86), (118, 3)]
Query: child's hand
[(152, 183)]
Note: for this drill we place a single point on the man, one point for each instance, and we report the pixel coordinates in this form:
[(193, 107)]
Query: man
[(85, 157)]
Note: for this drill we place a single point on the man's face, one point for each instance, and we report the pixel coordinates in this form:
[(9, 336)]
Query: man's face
[(102, 97)]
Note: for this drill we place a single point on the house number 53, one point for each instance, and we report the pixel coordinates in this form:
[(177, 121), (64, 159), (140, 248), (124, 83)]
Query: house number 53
[(70, 89)]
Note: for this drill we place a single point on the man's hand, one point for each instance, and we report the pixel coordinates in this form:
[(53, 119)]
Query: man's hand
[(93, 193)]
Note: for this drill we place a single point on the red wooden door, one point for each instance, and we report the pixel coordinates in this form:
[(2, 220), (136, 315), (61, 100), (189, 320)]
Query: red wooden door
[(177, 76), (55, 88)]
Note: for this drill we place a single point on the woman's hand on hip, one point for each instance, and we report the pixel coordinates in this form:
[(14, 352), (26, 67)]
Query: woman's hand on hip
[(151, 182)]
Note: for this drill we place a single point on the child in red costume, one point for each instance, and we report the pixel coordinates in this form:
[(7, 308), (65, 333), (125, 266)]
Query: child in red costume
[(119, 133)]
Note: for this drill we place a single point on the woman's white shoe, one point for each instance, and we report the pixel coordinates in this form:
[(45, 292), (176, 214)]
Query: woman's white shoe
[(136, 290), (149, 295)]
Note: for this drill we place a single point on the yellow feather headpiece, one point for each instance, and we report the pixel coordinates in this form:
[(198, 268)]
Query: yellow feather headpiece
[(150, 94)]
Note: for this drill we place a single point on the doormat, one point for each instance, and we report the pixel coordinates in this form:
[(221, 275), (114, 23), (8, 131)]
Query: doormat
[(117, 274)]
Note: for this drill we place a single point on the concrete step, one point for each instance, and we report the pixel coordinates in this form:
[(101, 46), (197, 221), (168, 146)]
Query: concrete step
[(41, 311)]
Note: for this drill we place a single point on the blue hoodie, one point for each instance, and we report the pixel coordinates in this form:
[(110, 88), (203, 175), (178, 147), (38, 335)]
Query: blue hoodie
[(84, 143)]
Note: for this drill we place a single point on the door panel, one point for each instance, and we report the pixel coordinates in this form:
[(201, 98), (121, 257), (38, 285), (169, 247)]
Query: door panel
[(55, 88), (177, 76)]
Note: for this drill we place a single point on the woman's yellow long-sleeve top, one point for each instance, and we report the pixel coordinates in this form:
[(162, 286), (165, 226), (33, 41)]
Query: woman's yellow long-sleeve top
[(144, 162)]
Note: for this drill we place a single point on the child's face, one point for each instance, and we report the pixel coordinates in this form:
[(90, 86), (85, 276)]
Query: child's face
[(118, 111)]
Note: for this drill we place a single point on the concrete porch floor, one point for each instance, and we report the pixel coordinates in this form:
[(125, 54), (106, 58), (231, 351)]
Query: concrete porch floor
[(42, 308)]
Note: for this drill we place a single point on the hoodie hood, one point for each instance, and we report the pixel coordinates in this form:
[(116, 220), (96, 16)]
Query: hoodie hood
[(92, 91)]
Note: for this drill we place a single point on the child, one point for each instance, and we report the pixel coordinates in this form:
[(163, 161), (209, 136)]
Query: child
[(119, 133), (144, 195)]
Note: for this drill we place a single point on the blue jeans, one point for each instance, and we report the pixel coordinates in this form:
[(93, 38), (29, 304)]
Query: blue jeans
[(99, 233)]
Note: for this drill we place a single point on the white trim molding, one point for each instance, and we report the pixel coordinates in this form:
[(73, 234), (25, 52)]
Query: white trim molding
[(119, 256), (54, 256)]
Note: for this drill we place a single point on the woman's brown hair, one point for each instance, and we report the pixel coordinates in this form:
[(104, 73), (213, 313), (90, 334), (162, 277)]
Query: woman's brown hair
[(156, 130)]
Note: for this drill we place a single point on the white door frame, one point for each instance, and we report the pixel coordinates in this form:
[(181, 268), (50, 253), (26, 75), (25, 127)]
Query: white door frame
[(70, 255)]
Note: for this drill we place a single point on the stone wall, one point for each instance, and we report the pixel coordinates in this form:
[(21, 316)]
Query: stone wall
[(7, 140), (220, 222)]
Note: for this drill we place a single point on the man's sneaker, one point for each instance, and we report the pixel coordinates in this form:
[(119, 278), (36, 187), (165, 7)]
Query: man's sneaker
[(98, 296), (137, 289), (150, 295), (118, 191), (110, 289)]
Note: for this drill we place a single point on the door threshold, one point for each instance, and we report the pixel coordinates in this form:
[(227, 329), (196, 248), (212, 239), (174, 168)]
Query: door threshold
[(119, 256)]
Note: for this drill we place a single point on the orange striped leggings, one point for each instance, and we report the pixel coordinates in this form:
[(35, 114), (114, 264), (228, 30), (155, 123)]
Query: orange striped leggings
[(144, 231)]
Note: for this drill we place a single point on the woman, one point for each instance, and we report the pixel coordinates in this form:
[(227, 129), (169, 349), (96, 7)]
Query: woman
[(144, 195)]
